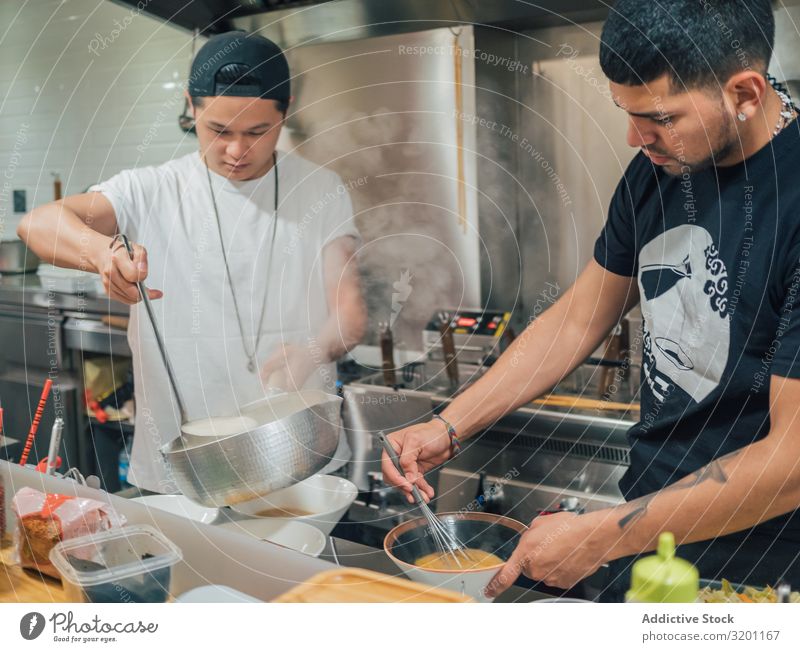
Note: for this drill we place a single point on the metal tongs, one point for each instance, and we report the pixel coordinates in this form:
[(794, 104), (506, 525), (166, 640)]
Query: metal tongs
[(446, 541)]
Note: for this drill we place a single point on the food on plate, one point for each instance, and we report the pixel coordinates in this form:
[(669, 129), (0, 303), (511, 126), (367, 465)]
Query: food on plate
[(728, 594), (474, 559)]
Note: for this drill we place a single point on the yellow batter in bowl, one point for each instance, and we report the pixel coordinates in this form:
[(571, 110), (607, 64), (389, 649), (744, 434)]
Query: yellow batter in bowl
[(473, 559)]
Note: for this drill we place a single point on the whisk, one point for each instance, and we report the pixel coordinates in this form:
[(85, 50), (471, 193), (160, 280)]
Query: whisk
[(446, 541)]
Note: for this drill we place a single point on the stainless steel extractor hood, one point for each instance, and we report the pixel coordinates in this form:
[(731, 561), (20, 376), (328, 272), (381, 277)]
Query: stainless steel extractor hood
[(299, 22)]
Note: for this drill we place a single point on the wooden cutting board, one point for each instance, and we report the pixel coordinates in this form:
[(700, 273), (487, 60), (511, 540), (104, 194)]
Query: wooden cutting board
[(18, 585), (358, 585)]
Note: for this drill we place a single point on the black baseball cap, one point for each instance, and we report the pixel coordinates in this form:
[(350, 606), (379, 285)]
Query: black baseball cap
[(264, 72)]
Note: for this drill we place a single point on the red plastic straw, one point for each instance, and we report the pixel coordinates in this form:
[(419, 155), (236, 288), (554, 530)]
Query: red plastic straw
[(36, 419)]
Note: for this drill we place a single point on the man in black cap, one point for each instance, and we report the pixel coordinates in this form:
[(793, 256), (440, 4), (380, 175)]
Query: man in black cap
[(254, 250), (235, 65)]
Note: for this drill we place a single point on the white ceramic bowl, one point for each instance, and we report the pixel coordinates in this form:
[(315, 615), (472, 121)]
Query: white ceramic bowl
[(180, 505), (285, 532), (496, 534), (321, 501)]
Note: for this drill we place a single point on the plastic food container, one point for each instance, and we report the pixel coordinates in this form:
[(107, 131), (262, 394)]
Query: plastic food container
[(128, 564)]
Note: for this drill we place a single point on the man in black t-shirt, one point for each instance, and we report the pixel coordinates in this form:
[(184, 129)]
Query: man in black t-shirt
[(704, 233)]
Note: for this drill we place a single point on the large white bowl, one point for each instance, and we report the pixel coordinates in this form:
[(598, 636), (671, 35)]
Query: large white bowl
[(180, 505), (285, 532), (496, 534), (323, 498)]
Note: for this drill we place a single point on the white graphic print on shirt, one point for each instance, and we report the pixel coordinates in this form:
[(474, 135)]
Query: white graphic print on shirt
[(683, 285)]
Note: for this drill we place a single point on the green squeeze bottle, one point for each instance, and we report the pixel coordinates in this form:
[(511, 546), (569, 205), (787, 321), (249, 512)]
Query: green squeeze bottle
[(663, 577)]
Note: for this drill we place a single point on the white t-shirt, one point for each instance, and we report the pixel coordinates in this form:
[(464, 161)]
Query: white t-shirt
[(168, 210)]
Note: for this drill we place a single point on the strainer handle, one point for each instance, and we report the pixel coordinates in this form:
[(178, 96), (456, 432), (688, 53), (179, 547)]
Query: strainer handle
[(159, 341)]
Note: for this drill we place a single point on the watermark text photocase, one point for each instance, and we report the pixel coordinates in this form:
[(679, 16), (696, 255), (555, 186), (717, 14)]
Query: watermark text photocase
[(101, 42)]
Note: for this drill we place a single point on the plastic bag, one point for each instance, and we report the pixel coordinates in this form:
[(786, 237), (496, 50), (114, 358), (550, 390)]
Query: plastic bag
[(45, 519)]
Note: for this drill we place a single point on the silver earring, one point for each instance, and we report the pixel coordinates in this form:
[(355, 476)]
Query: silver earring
[(742, 117)]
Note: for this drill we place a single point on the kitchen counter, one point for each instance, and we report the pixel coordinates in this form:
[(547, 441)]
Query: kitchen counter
[(27, 290), (18, 585), (211, 555), (344, 552), (357, 555)]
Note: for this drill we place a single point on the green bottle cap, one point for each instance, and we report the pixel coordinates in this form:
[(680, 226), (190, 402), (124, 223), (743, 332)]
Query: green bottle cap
[(663, 577)]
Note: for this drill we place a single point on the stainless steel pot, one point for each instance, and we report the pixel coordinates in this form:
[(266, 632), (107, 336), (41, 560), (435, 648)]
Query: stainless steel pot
[(16, 258), (298, 436)]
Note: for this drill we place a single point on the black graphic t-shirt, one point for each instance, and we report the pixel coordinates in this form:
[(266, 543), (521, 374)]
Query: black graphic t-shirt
[(716, 256)]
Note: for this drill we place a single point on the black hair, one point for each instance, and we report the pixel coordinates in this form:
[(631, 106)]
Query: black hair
[(238, 74), (698, 43)]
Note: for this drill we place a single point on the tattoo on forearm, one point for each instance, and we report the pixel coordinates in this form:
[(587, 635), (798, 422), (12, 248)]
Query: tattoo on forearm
[(639, 509), (713, 471)]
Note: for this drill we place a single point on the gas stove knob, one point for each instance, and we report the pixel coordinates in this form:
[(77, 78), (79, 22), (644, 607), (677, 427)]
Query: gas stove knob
[(569, 504), (490, 495)]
